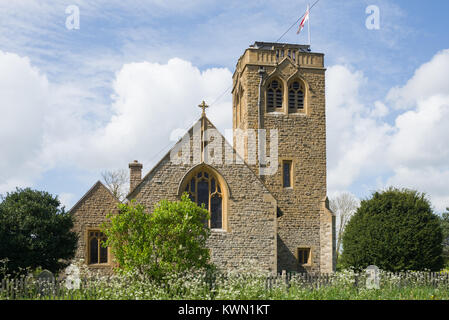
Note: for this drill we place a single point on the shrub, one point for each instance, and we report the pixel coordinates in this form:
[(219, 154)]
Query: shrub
[(171, 239), (395, 230)]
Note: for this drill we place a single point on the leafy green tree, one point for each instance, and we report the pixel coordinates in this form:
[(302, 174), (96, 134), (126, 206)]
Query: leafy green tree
[(395, 230), (171, 239), (35, 231)]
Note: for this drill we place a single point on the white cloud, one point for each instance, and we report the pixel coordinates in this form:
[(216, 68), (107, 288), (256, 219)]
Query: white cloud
[(24, 101), (355, 140), (412, 152), (429, 79), (150, 101), (421, 135), (67, 200), (46, 125)]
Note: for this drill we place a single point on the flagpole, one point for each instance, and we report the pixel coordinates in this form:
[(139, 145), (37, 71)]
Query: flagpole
[(308, 21)]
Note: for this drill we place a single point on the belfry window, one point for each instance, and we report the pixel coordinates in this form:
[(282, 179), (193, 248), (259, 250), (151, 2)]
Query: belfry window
[(274, 96), (204, 188), (295, 97)]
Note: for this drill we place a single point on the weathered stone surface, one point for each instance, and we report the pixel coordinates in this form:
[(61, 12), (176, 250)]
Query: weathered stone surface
[(89, 213), (304, 220)]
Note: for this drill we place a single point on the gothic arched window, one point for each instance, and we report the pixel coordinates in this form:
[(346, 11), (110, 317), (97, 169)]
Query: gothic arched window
[(274, 96), (97, 252), (204, 188), (296, 97)]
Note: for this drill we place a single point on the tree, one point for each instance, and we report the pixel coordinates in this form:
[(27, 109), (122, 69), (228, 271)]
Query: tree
[(116, 181), (344, 207), (35, 231), (171, 239), (445, 230), (395, 230)]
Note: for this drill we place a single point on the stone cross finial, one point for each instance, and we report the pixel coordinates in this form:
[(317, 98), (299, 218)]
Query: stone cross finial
[(203, 106)]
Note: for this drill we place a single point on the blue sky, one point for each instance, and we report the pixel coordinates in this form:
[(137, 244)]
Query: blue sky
[(74, 98)]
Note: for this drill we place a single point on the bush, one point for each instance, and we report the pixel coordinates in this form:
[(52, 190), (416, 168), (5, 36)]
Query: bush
[(171, 239), (395, 230)]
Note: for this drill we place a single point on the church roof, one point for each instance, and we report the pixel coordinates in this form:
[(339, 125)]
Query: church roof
[(96, 185), (203, 116)]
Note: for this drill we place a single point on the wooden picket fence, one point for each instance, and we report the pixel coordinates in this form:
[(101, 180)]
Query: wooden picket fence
[(23, 288), (398, 279)]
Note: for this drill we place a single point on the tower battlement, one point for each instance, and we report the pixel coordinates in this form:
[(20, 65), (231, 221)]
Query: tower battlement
[(271, 54)]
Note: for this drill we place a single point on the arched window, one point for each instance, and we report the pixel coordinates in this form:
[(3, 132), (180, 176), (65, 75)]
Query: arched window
[(274, 96), (204, 188), (296, 97), (97, 253)]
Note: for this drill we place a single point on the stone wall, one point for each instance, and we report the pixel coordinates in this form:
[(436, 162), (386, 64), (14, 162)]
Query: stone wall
[(89, 213), (302, 139), (250, 235)]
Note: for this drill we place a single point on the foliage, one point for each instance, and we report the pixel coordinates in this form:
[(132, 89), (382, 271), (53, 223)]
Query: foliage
[(35, 231), (445, 229), (345, 285), (395, 230), (169, 240)]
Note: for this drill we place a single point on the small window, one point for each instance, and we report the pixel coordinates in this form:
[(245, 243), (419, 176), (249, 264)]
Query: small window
[(97, 252), (287, 174), (303, 255)]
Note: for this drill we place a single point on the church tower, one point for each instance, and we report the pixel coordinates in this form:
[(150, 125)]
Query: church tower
[(280, 88)]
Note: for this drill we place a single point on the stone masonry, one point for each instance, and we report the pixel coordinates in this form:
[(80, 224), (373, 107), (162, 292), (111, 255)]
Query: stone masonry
[(263, 222), (303, 221)]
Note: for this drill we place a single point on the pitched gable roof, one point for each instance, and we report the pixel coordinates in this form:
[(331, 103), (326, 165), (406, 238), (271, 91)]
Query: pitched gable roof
[(97, 185), (133, 192)]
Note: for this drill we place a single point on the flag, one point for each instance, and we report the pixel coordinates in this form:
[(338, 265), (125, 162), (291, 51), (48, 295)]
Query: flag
[(303, 21)]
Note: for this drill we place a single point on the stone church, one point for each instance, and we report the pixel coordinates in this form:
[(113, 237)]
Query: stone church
[(266, 192)]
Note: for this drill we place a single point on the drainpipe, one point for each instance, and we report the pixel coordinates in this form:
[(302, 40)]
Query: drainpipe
[(259, 118)]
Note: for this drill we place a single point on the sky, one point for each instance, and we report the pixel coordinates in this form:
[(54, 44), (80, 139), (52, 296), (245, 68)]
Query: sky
[(80, 98)]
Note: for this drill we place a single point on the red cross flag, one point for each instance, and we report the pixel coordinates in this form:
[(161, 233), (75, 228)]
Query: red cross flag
[(303, 21)]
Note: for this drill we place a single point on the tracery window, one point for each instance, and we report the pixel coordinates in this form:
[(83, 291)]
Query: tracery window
[(274, 96), (204, 188), (295, 97), (96, 252)]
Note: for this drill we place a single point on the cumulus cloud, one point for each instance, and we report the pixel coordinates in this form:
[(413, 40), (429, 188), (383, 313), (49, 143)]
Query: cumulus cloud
[(430, 79), (24, 100), (45, 125), (411, 152), (355, 139), (150, 101)]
